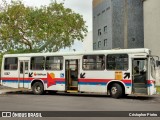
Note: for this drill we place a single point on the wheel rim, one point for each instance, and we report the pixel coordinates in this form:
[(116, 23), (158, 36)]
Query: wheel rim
[(114, 90), (37, 89)]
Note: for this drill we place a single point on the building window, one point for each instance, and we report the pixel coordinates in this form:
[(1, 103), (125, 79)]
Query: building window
[(94, 46), (54, 63), (11, 63), (105, 29), (99, 32), (103, 11), (107, 8), (37, 63), (105, 42), (93, 62), (99, 44), (117, 62)]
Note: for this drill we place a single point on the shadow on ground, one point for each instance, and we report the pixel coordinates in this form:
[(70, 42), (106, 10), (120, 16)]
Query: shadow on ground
[(87, 95)]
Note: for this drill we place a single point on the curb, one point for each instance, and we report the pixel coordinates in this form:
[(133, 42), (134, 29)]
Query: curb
[(5, 91)]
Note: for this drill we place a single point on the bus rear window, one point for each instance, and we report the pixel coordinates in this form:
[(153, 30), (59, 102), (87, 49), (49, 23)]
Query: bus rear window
[(117, 62), (11, 63)]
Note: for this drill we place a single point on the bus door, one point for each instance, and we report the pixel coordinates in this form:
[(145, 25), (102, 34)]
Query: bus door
[(139, 75), (23, 74), (71, 75)]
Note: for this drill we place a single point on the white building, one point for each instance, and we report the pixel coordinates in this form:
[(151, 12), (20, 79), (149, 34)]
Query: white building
[(151, 10), (152, 25)]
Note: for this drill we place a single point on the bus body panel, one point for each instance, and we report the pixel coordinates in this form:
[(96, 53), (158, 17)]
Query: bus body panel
[(9, 77), (84, 80)]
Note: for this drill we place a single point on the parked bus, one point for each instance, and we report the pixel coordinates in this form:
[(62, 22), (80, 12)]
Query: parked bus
[(112, 72)]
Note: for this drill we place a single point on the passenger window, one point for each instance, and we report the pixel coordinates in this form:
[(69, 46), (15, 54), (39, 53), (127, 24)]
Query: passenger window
[(37, 63), (117, 62), (94, 62), (11, 63), (54, 63)]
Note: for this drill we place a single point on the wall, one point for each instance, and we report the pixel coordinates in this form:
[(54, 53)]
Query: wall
[(152, 27), (102, 17), (124, 21), (118, 23), (135, 24)]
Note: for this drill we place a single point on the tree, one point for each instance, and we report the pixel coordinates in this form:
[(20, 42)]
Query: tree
[(45, 29)]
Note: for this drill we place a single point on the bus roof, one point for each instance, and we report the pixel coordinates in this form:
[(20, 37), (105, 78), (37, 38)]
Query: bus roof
[(112, 51)]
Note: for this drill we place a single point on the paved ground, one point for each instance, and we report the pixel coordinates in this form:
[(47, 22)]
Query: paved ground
[(26, 101), (70, 102)]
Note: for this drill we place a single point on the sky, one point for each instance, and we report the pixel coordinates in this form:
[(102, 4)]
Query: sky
[(83, 7)]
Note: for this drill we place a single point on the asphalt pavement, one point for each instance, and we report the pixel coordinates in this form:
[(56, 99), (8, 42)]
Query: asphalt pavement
[(15, 100)]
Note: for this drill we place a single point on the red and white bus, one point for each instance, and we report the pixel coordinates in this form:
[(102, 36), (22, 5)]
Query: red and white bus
[(115, 72)]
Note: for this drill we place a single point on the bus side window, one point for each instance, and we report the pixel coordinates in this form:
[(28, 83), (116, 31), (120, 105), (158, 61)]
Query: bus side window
[(101, 62), (94, 62), (54, 63), (117, 62), (37, 63), (11, 63)]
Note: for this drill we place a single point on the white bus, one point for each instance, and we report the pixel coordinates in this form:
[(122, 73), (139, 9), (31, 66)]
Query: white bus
[(114, 72)]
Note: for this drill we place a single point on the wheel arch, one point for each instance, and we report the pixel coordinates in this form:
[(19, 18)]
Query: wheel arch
[(37, 80), (109, 85)]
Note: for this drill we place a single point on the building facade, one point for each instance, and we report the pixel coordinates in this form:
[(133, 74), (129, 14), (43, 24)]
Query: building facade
[(151, 28), (152, 25), (118, 24), (127, 24)]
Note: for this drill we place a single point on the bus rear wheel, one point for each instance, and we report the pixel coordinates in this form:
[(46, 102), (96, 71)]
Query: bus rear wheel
[(38, 88), (116, 90)]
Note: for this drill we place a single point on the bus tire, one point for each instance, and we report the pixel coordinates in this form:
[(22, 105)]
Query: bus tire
[(116, 90), (38, 88)]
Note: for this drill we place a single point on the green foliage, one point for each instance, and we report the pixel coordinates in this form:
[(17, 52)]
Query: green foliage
[(158, 89), (0, 61), (45, 29)]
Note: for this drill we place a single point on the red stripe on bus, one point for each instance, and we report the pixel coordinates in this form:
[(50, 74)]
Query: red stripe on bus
[(14, 78), (102, 80), (93, 80), (150, 81), (80, 80)]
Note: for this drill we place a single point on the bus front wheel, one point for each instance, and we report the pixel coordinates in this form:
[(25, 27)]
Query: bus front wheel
[(38, 88), (116, 90)]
